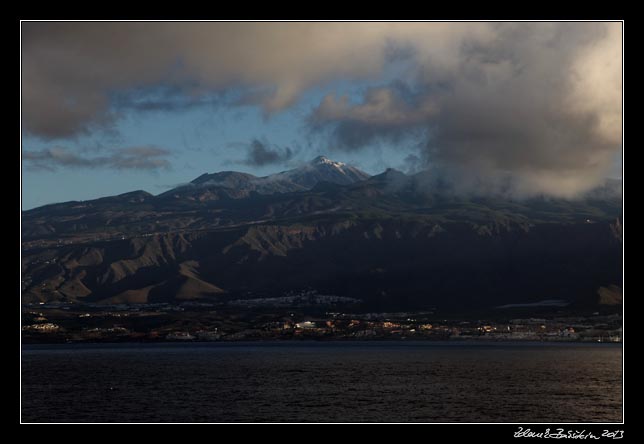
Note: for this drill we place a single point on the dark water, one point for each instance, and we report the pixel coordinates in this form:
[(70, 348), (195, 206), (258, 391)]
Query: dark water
[(323, 382)]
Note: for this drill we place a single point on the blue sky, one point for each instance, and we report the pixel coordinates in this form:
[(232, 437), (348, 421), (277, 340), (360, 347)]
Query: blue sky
[(109, 108), (208, 138)]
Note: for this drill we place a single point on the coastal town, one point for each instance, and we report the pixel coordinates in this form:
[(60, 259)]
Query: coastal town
[(200, 321)]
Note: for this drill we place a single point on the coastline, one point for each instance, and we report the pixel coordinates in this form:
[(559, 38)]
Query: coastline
[(309, 341)]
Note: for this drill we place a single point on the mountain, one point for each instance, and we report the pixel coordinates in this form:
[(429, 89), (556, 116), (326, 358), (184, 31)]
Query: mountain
[(387, 240), (235, 185), (320, 169)]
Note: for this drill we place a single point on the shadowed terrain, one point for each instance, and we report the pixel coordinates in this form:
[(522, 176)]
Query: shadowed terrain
[(390, 240)]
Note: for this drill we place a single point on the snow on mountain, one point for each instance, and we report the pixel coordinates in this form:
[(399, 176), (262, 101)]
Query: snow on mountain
[(321, 169), (234, 184)]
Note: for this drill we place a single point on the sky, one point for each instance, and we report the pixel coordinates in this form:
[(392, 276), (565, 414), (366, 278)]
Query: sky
[(112, 107)]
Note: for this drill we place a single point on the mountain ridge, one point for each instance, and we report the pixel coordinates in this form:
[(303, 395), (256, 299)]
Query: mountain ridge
[(236, 185), (386, 245)]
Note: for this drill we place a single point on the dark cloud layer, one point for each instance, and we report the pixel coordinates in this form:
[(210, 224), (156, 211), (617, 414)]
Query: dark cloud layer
[(261, 154), (70, 69), (133, 158), (390, 114), (535, 105)]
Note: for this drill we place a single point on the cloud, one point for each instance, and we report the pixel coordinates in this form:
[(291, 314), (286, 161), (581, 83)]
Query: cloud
[(261, 154), (536, 108), (384, 114), (133, 158), (162, 98), (536, 105), (71, 70), (412, 164)]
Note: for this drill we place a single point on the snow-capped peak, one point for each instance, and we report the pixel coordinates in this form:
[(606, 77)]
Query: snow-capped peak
[(325, 160), (305, 177)]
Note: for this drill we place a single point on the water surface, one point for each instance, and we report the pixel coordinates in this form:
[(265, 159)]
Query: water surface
[(323, 382)]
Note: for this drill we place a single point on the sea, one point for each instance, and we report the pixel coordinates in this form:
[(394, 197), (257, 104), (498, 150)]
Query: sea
[(329, 382)]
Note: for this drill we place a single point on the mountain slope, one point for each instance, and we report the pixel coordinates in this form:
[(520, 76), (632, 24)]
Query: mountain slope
[(235, 185), (383, 262), (385, 240)]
